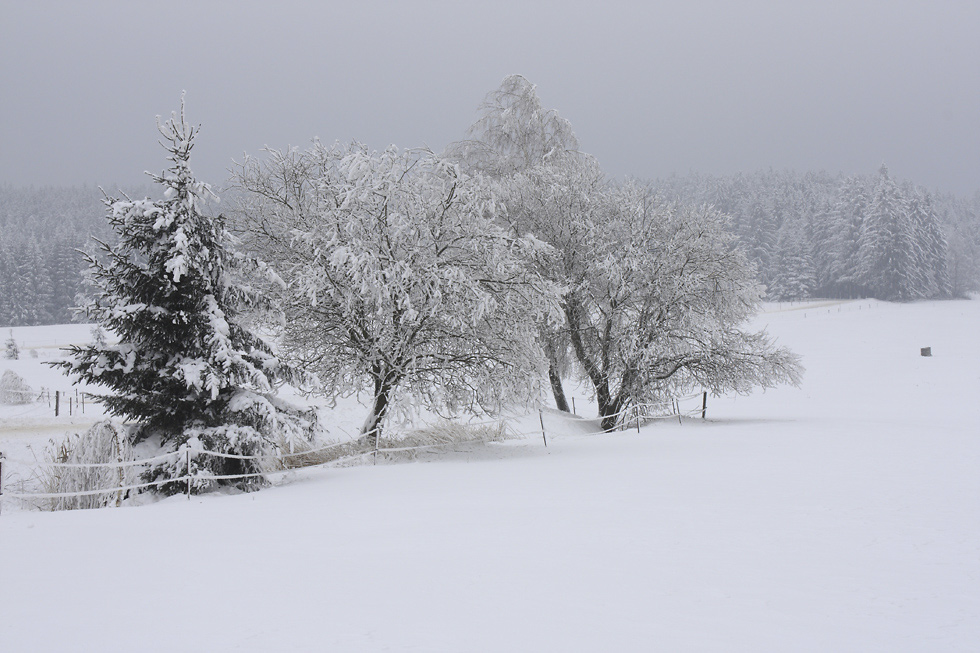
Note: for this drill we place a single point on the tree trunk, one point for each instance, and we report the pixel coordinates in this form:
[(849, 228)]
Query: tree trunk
[(384, 386), (557, 389), (608, 409), (595, 372)]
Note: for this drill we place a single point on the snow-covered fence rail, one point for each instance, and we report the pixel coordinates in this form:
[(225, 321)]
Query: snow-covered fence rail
[(337, 453), (638, 414), (186, 456)]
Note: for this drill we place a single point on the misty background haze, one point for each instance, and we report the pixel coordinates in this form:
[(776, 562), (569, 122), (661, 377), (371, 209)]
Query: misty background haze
[(650, 88)]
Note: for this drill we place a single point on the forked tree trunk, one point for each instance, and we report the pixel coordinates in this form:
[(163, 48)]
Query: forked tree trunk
[(596, 370), (608, 412), (557, 388)]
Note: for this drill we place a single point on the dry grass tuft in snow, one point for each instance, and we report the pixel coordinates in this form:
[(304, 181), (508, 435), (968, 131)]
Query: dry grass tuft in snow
[(445, 435), (103, 444)]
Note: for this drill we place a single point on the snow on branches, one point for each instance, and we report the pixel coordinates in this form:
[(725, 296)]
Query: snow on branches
[(659, 310), (398, 282), (171, 293), (653, 294)]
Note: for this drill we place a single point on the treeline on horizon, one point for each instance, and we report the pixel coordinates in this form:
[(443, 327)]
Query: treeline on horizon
[(832, 236), (42, 230), (808, 234)]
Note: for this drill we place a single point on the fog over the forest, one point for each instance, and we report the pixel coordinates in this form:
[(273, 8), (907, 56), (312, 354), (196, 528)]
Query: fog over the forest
[(650, 88)]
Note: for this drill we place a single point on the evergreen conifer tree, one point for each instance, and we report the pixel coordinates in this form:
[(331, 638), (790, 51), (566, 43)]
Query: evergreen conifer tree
[(184, 367), (851, 206), (887, 258), (12, 350)]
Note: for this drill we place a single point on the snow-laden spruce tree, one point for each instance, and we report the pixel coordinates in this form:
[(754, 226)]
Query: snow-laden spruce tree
[(888, 244), (11, 350), (398, 282), (184, 369)]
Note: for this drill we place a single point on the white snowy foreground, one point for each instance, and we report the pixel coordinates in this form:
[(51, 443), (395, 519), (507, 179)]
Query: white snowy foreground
[(841, 516)]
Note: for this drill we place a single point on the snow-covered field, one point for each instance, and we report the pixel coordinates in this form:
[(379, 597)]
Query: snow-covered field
[(841, 516)]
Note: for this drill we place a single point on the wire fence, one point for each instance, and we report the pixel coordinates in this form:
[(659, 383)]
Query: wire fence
[(61, 402), (638, 414), (187, 456), (343, 453)]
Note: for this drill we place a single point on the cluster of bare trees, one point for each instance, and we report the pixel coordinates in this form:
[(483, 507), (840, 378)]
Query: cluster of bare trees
[(472, 278)]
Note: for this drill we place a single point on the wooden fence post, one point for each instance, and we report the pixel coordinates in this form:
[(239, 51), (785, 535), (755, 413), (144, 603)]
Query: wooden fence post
[(57, 401), (541, 419), (704, 403), (119, 462), (187, 458)]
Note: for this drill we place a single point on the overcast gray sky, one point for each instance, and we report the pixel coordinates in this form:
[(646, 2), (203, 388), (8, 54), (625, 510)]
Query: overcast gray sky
[(650, 87)]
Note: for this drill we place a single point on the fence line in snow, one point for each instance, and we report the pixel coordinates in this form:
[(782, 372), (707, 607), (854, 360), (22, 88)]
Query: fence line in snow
[(75, 400), (188, 478), (637, 413)]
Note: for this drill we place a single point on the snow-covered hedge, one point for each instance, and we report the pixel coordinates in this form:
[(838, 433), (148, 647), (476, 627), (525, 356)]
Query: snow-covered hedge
[(14, 390)]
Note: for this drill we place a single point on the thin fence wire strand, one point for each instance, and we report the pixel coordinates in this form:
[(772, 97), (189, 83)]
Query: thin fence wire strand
[(376, 452)]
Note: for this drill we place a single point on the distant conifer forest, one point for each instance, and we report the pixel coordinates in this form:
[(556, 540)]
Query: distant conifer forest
[(808, 234)]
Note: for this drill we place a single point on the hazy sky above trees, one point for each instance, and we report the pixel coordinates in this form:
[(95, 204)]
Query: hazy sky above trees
[(651, 88)]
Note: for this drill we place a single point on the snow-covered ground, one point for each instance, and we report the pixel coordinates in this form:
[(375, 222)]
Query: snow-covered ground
[(840, 516)]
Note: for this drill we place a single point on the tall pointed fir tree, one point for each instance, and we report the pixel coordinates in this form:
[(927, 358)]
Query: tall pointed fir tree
[(886, 251), (848, 217), (794, 277), (184, 369), (932, 251)]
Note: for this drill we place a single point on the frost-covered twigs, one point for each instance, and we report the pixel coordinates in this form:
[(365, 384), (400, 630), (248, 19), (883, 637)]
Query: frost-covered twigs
[(397, 279)]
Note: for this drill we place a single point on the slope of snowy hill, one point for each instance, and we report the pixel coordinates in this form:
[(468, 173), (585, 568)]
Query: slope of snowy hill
[(838, 516)]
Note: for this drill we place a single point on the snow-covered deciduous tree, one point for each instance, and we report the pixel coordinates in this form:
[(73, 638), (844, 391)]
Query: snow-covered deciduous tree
[(184, 367), (14, 390), (641, 318), (397, 282), (660, 305), (98, 336), (514, 132), (560, 202), (529, 153)]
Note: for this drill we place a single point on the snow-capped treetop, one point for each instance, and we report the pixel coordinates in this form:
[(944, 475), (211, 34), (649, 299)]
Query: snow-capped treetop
[(169, 292), (514, 131)]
